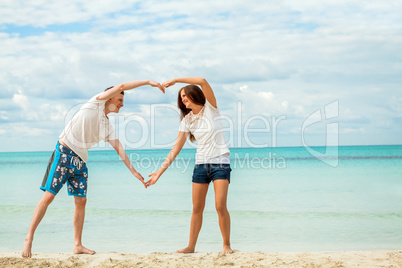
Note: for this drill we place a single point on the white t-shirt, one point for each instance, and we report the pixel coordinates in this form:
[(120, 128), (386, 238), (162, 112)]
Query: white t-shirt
[(206, 126), (88, 127)]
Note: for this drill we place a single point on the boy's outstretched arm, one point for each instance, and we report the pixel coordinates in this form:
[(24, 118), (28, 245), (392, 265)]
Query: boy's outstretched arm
[(116, 144), (114, 91)]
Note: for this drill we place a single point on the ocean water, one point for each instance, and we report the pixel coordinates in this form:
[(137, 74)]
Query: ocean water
[(280, 199)]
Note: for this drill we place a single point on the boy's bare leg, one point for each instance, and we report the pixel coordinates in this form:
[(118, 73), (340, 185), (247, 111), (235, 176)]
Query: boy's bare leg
[(38, 215), (79, 216)]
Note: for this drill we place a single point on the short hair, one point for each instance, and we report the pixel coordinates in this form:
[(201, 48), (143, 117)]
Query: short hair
[(122, 93)]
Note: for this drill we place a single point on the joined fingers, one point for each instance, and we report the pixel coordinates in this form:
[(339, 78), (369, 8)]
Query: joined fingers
[(168, 83)]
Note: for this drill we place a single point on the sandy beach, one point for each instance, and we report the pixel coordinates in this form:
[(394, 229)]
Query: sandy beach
[(208, 259)]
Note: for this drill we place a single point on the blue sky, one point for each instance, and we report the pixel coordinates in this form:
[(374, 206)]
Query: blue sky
[(272, 64)]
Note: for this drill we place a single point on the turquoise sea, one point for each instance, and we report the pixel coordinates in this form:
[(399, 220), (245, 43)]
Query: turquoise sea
[(280, 199)]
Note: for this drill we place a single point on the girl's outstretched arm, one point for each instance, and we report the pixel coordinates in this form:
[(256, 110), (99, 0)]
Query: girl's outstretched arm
[(206, 88), (180, 141)]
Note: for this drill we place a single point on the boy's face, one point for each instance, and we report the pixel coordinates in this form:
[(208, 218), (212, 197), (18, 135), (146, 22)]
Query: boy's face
[(116, 103)]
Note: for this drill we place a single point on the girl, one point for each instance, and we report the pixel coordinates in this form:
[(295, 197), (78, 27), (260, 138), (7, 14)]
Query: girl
[(200, 120)]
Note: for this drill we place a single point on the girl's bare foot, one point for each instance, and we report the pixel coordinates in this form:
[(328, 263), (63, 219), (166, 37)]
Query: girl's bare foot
[(227, 249), (186, 250), (26, 249), (83, 250)]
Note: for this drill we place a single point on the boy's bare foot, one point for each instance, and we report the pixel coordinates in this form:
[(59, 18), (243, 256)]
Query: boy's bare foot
[(83, 250), (227, 249), (26, 249), (185, 250)]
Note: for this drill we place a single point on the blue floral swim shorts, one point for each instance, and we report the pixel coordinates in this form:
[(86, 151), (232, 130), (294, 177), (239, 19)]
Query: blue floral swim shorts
[(66, 166)]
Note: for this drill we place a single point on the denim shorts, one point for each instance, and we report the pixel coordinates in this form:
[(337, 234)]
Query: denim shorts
[(65, 166), (205, 173)]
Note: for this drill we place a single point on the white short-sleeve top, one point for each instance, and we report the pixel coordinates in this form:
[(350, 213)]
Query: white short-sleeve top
[(206, 126), (89, 126)]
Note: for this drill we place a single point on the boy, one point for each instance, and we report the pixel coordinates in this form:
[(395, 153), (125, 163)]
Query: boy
[(68, 163)]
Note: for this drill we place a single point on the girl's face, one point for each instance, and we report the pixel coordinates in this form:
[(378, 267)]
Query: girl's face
[(187, 102)]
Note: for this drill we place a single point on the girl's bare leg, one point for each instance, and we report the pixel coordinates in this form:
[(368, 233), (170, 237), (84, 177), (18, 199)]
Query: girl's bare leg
[(199, 194), (221, 192)]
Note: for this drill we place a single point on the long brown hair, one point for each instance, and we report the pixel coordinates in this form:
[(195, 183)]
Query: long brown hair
[(193, 93)]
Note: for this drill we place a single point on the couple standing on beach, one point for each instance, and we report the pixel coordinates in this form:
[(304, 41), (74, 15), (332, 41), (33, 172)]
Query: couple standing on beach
[(200, 121)]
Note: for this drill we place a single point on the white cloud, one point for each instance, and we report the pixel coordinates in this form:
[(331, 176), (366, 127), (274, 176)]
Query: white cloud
[(21, 100), (40, 13), (266, 95), (3, 116), (353, 130), (299, 110), (54, 112), (285, 104), (276, 58), (243, 88), (21, 130)]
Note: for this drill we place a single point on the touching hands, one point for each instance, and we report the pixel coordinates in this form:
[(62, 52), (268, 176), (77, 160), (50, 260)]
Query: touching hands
[(156, 84), (154, 178), (139, 176), (165, 85), (169, 83)]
